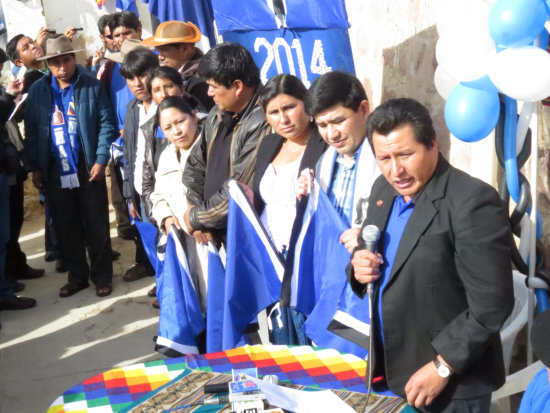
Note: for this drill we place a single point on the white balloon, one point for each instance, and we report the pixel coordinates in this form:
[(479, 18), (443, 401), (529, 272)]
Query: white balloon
[(444, 83), (459, 16), (465, 55), (522, 73)]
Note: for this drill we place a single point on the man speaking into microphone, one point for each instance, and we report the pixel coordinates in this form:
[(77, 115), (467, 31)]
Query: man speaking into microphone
[(442, 275)]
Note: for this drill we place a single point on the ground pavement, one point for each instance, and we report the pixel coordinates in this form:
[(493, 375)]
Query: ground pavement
[(50, 348)]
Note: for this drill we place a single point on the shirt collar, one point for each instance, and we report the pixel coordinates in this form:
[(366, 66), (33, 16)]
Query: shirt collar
[(348, 163)]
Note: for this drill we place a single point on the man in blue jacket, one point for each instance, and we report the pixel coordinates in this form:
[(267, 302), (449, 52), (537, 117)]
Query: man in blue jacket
[(69, 127)]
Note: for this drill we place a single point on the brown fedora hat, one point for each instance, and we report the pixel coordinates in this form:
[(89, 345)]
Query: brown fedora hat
[(58, 46), (173, 31), (127, 46)]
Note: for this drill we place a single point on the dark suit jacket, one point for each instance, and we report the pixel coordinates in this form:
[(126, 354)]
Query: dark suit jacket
[(450, 287)]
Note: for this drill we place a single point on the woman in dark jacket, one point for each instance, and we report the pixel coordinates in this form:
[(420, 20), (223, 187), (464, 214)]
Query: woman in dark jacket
[(294, 146)]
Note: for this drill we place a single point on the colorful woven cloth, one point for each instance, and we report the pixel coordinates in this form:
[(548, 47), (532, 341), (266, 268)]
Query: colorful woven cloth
[(120, 388), (304, 365), (117, 389)]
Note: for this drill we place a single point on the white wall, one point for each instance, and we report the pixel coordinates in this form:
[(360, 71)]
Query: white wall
[(393, 43)]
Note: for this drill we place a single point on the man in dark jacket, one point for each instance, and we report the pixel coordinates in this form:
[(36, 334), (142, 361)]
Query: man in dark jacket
[(138, 135), (8, 166), (229, 141), (69, 126), (442, 276)]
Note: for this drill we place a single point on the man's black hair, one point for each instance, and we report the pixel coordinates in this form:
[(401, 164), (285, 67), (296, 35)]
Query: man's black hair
[(138, 62), (125, 19), (165, 72), (227, 62), (103, 22), (282, 84), (334, 88), (399, 112), (11, 47)]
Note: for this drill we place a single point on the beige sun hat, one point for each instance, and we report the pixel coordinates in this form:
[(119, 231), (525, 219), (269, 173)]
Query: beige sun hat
[(173, 31), (127, 46), (58, 46)]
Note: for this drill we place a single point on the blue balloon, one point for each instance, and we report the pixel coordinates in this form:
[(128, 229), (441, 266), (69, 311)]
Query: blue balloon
[(515, 23), (510, 160), (471, 114)]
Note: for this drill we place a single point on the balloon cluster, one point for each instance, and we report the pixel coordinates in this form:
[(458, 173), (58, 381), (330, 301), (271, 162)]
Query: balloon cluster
[(486, 47), (488, 59)]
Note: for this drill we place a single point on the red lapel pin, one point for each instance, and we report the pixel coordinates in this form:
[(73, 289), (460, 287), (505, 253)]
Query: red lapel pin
[(379, 202)]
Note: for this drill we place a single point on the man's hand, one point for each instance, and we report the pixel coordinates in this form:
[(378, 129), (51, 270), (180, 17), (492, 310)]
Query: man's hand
[(41, 37), (168, 222), (97, 173), (203, 237), (98, 55), (15, 87), (37, 180), (187, 223), (70, 32), (133, 211), (425, 385), (304, 183), (366, 266), (349, 238)]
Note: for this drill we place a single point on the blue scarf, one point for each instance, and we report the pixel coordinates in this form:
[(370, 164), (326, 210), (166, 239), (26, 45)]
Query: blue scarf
[(64, 132)]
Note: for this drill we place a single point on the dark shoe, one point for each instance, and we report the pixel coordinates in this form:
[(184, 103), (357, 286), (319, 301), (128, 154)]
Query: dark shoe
[(60, 267), (16, 286), (17, 303), (135, 273), (71, 289), (104, 291), (152, 292), (115, 255), (156, 304), (50, 256), (29, 273)]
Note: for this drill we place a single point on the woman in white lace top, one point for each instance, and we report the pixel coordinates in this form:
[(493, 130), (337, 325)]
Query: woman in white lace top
[(294, 146)]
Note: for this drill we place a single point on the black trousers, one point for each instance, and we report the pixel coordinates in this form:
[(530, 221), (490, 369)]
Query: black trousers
[(118, 201), (81, 222), (15, 258)]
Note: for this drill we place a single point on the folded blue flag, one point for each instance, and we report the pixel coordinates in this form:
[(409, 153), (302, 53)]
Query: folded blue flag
[(181, 319), (319, 287)]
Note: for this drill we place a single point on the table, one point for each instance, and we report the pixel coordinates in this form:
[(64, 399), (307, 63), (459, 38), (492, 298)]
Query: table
[(119, 388)]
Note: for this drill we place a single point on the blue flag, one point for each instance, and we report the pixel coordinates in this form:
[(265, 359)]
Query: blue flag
[(198, 12), (181, 319), (127, 5), (148, 234), (319, 287), (214, 300), (271, 15), (253, 273)]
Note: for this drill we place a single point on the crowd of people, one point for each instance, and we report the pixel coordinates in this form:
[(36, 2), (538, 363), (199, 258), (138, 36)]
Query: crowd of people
[(174, 126)]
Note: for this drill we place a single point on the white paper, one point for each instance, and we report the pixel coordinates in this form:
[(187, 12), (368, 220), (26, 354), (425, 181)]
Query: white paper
[(302, 401)]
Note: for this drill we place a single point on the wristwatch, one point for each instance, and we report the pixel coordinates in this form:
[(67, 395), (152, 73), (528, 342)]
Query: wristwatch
[(442, 370)]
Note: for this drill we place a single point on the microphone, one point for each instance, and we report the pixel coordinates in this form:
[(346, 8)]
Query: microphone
[(370, 235)]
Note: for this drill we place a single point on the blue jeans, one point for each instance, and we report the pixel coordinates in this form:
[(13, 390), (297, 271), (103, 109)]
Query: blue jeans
[(5, 290)]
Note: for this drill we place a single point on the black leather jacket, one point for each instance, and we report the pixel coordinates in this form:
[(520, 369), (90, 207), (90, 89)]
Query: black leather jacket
[(211, 214)]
